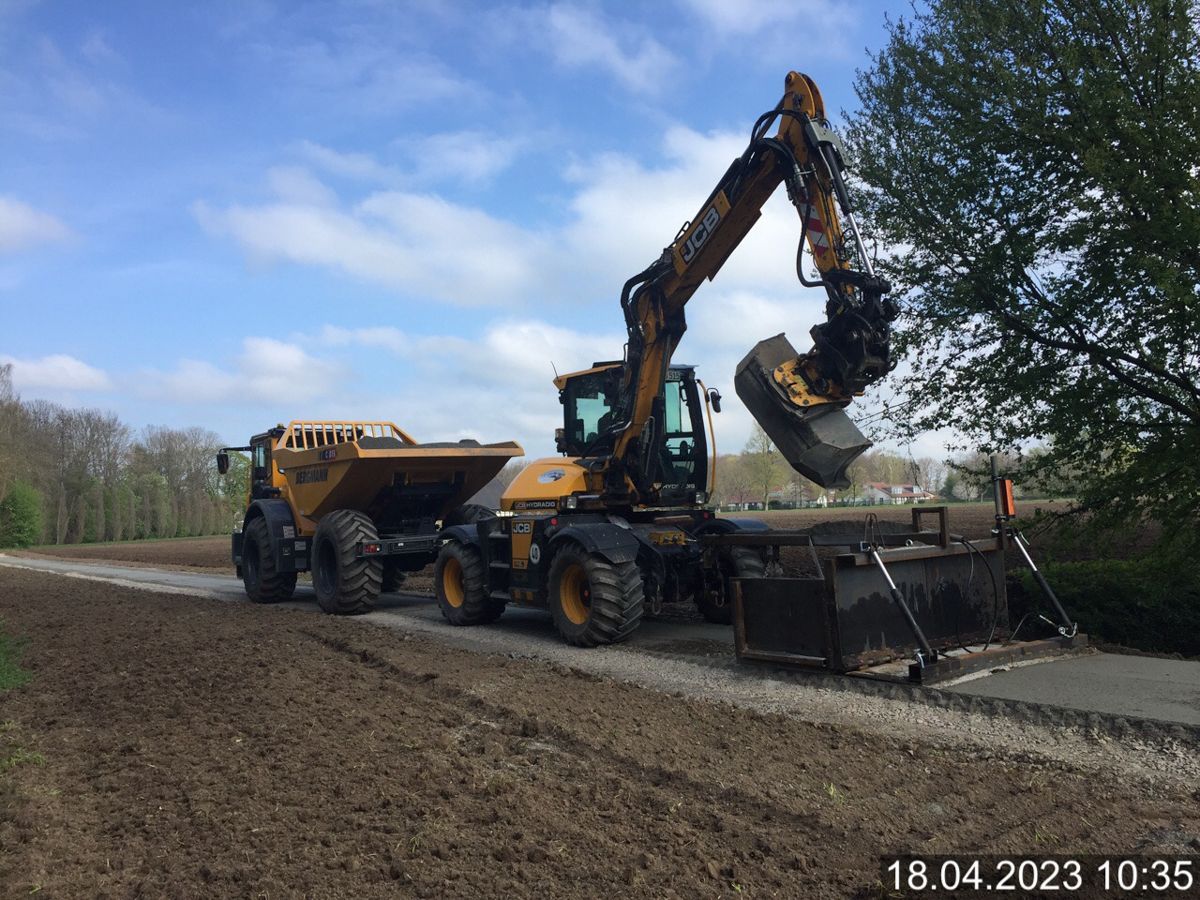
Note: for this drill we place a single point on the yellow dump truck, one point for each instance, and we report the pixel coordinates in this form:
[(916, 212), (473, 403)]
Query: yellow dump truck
[(357, 503)]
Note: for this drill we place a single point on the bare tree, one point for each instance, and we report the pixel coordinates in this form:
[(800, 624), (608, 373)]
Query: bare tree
[(764, 464)]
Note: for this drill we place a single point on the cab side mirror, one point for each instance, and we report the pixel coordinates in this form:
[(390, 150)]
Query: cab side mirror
[(222, 462), (714, 397)]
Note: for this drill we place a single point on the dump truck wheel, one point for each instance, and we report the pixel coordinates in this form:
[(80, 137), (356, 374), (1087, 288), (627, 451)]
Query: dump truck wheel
[(346, 584), (460, 583), (263, 583), (734, 562), (393, 578), (594, 601)]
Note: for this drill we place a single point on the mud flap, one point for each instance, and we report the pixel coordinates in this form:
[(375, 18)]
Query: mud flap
[(819, 443)]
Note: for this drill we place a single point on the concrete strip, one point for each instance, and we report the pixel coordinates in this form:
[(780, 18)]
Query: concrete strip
[(1142, 686)]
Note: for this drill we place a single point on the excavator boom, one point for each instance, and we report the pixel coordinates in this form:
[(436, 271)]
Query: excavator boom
[(797, 398)]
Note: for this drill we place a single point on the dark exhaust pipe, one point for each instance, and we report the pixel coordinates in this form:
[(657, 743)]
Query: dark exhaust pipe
[(819, 443)]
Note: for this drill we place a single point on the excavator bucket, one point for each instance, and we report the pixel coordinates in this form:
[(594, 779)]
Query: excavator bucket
[(819, 443)]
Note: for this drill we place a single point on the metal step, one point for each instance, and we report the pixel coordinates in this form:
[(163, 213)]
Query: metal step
[(500, 595)]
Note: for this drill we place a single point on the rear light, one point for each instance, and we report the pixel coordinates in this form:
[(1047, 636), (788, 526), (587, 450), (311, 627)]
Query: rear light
[(701, 497), (371, 549), (571, 502), (554, 520)]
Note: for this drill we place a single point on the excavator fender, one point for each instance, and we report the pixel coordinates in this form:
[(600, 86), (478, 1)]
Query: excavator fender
[(464, 534), (282, 528), (615, 544)]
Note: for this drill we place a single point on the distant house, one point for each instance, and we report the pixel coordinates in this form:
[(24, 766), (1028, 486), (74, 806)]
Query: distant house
[(895, 494)]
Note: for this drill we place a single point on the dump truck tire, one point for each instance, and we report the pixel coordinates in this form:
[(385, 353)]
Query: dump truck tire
[(593, 600), (734, 562), (393, 577), (460, 583), (346, 584), (263, 583)]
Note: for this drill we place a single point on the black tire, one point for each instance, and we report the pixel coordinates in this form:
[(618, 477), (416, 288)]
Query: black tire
[(393, 577), (346, 584), (594, 601), (263, 583), (468, 514), (716, 604), (460, 583)]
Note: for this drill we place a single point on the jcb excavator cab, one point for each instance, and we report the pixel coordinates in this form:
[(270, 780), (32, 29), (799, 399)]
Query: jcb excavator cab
[(678, 463)]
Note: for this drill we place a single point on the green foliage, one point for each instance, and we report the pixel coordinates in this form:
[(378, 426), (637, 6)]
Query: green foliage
[(20, 516), (1150, 603), (1037, 163), (11, 673)]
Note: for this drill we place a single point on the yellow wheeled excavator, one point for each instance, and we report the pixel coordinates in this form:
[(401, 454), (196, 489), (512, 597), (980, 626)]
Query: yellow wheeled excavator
[(617, 522)]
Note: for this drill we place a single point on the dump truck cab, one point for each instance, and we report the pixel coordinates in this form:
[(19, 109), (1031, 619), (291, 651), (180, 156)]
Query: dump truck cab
[(265, 480)]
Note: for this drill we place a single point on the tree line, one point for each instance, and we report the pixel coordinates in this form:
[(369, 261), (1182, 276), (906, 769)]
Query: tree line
[(82, 475), (759, 475)]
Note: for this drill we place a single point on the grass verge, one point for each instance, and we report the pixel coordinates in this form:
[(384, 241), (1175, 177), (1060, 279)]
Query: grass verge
[(1151, 603), (11, 673)]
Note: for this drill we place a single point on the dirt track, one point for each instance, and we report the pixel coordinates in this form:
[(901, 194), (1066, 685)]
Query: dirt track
[(196, 748)]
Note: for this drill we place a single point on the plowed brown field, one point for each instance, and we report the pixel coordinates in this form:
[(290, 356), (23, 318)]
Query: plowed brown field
[(170, 746)]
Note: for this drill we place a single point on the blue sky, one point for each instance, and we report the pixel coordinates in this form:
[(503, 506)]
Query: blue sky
[(229, 214)]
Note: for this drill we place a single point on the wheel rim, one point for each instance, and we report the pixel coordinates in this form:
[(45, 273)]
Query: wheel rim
[(326, 573), (575, 594), (452, 582)]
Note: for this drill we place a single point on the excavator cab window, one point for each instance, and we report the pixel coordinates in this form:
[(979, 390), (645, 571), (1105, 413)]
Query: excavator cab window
[(587, 409), (682, 460)]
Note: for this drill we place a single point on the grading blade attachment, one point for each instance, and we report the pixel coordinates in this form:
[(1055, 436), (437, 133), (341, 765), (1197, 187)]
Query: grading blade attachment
[(818, 442)]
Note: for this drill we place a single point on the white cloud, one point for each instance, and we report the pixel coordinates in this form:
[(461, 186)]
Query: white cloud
[(360, 166), (295, 184), (580, 38), (265, 371), (621, 216), (625, 213), (455, 157), (516, 351), (746, 16), (57, 372), (363, 74), (96, 49), (775, 24), (419, 243), (23, 226), (460, 155)]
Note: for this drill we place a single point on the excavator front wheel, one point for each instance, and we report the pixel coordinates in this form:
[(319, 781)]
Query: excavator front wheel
[(346, 584), (594, 601), (460, 583)]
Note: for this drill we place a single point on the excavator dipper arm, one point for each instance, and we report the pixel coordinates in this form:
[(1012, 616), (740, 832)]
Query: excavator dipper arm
[(797, 398)]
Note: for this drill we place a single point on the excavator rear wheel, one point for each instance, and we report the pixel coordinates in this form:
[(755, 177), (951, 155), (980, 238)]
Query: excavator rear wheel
[(594, 601), (346, 584), (733, 562), (460, 583), (263, 583)]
